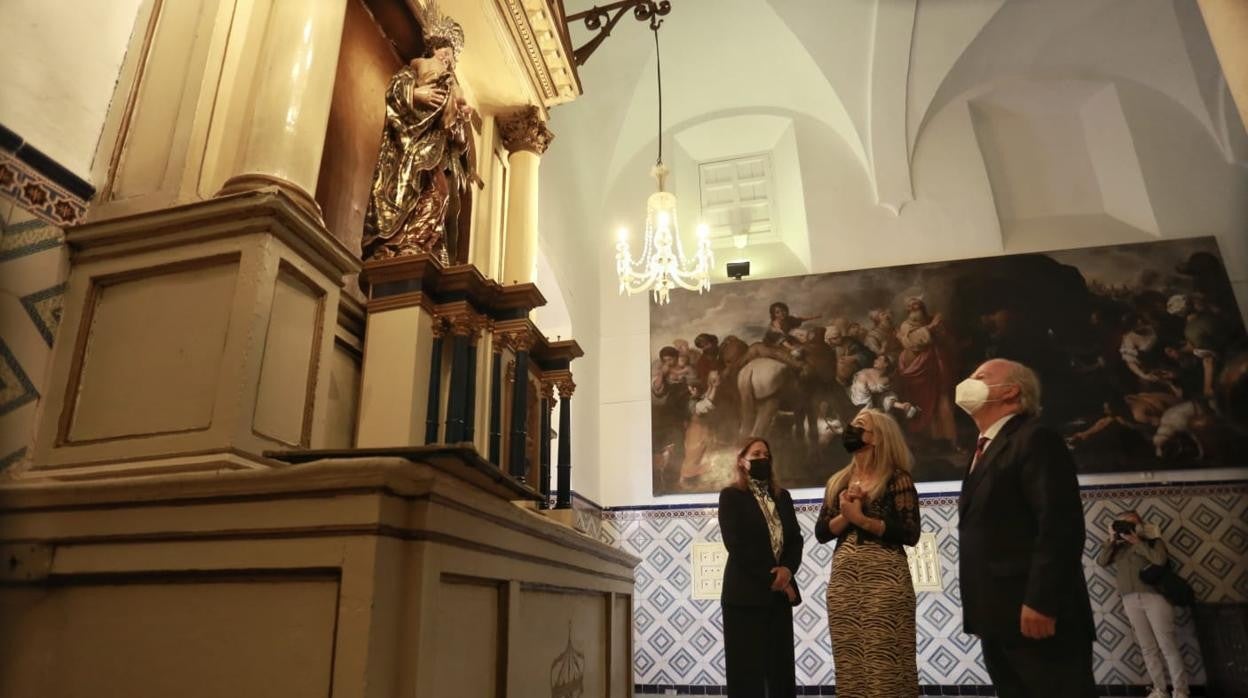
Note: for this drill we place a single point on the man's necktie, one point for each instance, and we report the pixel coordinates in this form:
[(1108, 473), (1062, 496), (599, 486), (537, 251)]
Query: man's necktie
[(979, 451)]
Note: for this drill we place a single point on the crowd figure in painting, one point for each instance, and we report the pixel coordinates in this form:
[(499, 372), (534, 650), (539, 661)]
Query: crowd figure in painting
[(712, 392), (1021, 535)]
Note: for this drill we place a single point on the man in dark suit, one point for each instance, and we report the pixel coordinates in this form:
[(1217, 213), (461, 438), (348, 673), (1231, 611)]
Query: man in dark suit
[(1021, 533)]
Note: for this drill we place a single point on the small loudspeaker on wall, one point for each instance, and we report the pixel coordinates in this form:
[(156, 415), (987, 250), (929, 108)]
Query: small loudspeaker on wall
[(737, 270)]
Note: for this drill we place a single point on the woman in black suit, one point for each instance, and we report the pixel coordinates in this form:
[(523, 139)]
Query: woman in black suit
[(764, 545)]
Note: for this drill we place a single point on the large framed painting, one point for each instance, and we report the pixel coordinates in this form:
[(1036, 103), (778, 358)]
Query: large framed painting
[(1140, 349)]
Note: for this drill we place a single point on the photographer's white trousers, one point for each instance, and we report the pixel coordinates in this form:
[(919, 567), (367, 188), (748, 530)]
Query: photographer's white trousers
[(1152, 619)]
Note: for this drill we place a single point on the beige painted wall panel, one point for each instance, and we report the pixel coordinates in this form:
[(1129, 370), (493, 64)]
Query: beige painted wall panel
[(283, 396), (153, 357), (466, 655), (344, 398), (561, 630), (395, 382), (172, 75), (152, 639)]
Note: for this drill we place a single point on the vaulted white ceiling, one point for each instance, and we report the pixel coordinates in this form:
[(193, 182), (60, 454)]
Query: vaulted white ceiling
[(986, 118)]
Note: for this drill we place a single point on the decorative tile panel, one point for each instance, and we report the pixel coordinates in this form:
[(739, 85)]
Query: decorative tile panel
[(44, 308), (679, 640), (33, 267), (15, 386)]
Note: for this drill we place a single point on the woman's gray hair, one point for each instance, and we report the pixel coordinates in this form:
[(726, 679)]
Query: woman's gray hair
[(1028, 387)]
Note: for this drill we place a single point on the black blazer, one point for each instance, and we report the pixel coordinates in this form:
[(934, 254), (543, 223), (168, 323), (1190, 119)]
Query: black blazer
[(747, 575), (1021, 534)]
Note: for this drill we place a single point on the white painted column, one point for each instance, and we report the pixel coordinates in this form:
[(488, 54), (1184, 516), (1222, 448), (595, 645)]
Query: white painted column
[(283, 110), (526, 137)]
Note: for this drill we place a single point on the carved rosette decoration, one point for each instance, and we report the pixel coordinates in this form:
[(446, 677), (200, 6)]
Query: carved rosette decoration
[(525, 130)]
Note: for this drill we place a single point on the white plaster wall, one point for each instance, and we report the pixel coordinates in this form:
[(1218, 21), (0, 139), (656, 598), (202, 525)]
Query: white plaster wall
[(953, 217), (564, 249), (61, 60), (1177, 181)]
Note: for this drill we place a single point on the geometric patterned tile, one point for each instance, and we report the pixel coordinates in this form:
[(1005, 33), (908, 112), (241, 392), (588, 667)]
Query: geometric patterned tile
[(27, 237), (15, 386), (1185, 541), (1236, 539), (44, 308), (1217, 562), (680, 641), (10, 459), (1205, 518), (682, 620), (1100, 590)]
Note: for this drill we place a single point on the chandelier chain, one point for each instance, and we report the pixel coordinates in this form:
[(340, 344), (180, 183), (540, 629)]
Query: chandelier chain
[(658, 69), (663, 265)]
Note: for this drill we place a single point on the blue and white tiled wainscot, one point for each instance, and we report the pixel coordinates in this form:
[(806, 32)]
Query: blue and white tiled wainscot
[(679, 640)]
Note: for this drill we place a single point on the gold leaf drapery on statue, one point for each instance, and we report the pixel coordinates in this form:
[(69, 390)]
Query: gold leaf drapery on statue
[(423, 169)]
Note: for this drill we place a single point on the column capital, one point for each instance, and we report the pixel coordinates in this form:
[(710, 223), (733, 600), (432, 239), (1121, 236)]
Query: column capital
[(438, 326), (525, 130), (462, 322), (566, 387), (521, 339), (548, 392), (500, 341)]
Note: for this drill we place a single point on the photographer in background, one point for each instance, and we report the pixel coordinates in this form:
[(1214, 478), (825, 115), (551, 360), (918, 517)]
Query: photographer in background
[(1132, 546)]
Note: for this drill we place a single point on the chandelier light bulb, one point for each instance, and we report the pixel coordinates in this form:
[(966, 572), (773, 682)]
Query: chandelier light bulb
[(704, 231), (621, 234), (740, 241)]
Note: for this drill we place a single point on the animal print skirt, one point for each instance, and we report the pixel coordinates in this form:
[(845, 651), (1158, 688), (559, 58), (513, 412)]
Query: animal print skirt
[(871, 620)]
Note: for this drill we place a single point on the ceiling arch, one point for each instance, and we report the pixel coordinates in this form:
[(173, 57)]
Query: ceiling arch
[(1160, 43)]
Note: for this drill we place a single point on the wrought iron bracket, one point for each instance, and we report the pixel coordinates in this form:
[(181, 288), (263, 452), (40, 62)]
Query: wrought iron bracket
[(603, 20)]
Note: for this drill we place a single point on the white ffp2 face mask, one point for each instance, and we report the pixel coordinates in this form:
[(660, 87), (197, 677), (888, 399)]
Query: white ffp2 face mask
[(972, 394)]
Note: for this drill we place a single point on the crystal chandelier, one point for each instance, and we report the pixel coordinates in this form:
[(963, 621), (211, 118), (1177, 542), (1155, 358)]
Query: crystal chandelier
[(663, 265)]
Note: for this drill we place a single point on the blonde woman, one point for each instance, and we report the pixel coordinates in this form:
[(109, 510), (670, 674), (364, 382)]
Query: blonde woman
[(871, 508)]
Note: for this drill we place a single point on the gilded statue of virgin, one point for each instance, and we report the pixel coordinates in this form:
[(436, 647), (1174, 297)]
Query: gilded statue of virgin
[(422, 187)]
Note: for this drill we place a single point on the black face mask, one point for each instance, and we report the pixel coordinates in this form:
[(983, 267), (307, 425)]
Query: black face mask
[(760, 469), (852, 439)]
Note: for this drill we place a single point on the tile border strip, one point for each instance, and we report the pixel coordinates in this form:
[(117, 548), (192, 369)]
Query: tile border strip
[(39, 184), (924, 690), (934, 499)]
